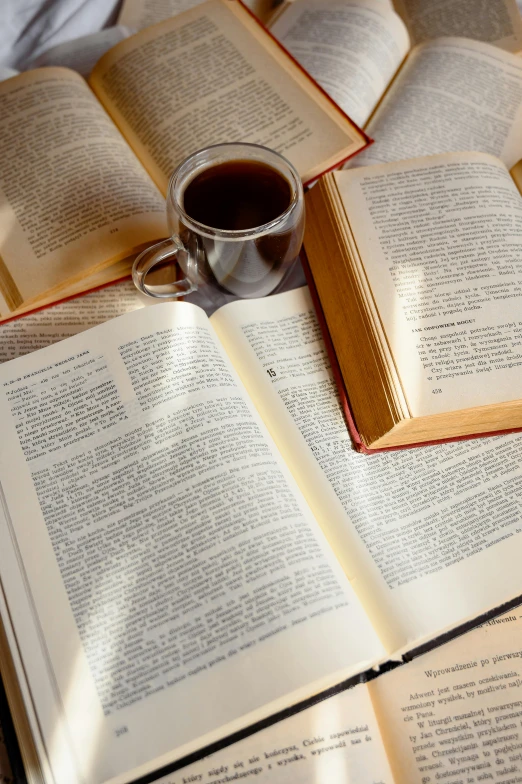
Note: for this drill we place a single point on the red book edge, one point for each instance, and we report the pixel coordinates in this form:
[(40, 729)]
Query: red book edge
[(369, 141), (310, 78), (355, 435)]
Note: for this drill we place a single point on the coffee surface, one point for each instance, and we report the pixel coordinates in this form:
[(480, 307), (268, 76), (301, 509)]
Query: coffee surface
[(237, 195)]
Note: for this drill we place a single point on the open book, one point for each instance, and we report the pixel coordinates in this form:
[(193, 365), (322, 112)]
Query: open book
[(85, 169), (417, 268), (183, 554), (411, 721), (454, 712), (443, 95), (495, 21)]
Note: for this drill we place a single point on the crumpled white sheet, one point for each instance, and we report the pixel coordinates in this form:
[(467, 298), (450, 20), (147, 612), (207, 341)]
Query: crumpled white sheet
[(29, 27)]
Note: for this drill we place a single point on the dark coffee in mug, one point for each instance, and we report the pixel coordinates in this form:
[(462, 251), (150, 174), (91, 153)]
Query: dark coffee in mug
[(241, 195), (237, 195), (236, 215)]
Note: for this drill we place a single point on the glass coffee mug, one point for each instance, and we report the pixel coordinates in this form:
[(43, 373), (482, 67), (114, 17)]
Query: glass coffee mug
[(236, 220)]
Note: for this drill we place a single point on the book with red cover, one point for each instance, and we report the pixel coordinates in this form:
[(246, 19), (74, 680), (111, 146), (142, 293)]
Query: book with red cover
[(68, 228), (351, 425)]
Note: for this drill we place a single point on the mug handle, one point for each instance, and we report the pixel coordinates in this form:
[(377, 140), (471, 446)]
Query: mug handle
[(156, 254)]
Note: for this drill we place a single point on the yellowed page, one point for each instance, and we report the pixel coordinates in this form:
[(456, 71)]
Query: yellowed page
[(516, 173), (493, 21), (336, 741), (452, 94), (191, 582), (454, 714), (420, 533), (73, 197), (439, 240), (143, 13), (352, 48), (213, 75), (49, 325)]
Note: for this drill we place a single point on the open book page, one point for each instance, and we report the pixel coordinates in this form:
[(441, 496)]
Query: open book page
[(143, 13), (414, 529), (494, 21), (139, 431), (213, 75), (351, 48), (50, 325), (439, 240), (455, 711), (455, 714), (336, 741), (72, 194), (81, 54), (452, 94)]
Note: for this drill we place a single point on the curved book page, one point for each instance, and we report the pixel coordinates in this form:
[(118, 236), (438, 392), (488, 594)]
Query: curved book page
[(74, 199), (456, 711), (451, 94), (352, 48), (211, 75), (422, 533), (183, 564), (439, 240), (493, 21)]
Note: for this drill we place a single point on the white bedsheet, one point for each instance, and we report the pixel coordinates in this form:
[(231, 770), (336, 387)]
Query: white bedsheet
[(29, 27)]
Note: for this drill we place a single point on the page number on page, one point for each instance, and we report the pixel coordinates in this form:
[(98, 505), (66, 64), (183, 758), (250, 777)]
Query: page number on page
[(121, 730), (436, 391)]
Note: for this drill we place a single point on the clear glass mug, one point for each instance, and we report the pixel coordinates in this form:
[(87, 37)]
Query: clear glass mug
[(247, 263)]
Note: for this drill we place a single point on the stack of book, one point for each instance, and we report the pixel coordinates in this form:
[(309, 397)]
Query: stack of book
[(190, 546)]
